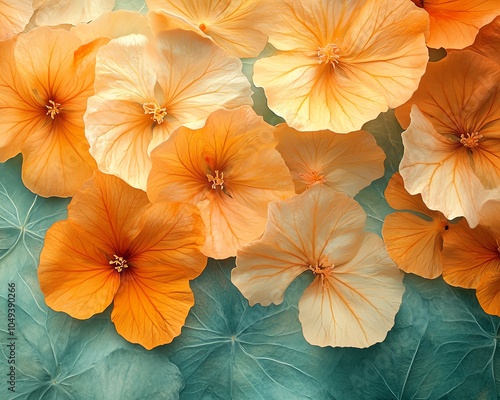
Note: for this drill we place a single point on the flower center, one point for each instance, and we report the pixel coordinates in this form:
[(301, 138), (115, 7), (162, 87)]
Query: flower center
[(158, 112), (419, 3), (217, 180), (471, 141), (329, 54), (52, 109), (323, 268), (312, 178), (119, 263)]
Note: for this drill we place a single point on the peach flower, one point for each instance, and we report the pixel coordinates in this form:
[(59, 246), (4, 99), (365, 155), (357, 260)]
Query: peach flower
[(56, 12), (231, 24), (413, 238), (346, 163), (339, 64), (487, 41), (46, 77), (115, 247), (471, 257), (230, 169), (455, 23), (452, 146), (147, 88), (14, 16), (357, 289)]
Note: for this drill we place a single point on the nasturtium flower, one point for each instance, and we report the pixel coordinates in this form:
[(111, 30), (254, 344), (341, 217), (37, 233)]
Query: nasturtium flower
[(116, 247), (357, 289), (452, 146), (471, 257), (346, 163), (46, 77), (232, 24), (230, 169), (340, 63), (112, 25), (145, 89), (455, 23), (50, 12), (414, 237), (14, 16)]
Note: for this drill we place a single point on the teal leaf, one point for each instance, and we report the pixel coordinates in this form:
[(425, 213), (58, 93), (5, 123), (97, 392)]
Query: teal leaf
[(131, 5), (229, 350), (442, 346), (53, 355)]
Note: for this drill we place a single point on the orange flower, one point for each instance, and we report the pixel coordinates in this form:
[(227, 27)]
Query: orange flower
[(50, 12), (232, 24), (146, 89), (46, 77), (117, 247), (455, 23), (414, 239), (340, 63), (230, 169), (346, 163), (357, 289), (452, 146), (14, 16), (471, 257)]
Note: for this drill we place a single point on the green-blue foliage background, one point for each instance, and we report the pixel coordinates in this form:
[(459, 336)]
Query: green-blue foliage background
[(442, 345)]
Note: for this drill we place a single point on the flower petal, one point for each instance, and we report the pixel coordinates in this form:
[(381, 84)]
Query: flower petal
[(356, 305), (74, 274), (14, 16), (468, 254), (346, 163), (488, 292), (487, 39), (53, 13), (415, 244), (439, 169)]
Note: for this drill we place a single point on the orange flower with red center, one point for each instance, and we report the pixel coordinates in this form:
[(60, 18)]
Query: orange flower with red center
[(413, 238), (230, 169), (115, 247), (452, 145), (339, 64), (46, 77)]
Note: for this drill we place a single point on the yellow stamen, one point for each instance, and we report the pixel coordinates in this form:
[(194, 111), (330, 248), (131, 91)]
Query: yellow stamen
[(312, 178), (119, 263), (471, 141), (217, 180), (329, 54), (53, 109), (323, 268), (158, 112)]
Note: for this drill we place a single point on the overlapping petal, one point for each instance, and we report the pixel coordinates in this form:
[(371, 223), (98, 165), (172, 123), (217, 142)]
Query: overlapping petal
[(14, 16), (414, 238), (346, 163), (486, 41), (50, 12), (230, 169), (357, 303), (488, 292), (116, 245), (145, 90), (340, 64), (455, 23), (357, 289), (233, 25)]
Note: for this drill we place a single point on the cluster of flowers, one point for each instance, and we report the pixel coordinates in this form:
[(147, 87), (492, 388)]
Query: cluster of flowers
[(146, 121)]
